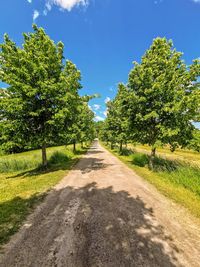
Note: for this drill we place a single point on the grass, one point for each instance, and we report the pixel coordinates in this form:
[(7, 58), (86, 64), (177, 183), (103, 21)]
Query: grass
[(185, 155), (176, 179), (23, 183)]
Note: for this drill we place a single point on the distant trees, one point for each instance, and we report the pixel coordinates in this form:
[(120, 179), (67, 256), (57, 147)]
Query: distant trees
[(160, 101), (116, 124), (43, 99)]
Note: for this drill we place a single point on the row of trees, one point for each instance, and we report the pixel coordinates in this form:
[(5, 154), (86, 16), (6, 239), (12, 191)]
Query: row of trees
[(159, 103), (41, 105)]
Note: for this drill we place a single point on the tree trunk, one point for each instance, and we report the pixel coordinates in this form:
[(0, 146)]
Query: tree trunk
[(152, 156), (121, 146), (74, 146), (111, 145), (44, 156)]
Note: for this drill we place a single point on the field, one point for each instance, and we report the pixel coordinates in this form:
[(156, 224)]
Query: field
[(176, 175), (23, 183)]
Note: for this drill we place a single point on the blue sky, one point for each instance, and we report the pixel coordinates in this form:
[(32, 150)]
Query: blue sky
[(104, 37)]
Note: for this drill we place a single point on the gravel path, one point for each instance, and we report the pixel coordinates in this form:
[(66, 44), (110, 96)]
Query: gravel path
[(102, 214)]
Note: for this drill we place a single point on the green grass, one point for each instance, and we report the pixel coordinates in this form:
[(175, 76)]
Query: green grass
[(23, 183), (188, 156), (176, 179)]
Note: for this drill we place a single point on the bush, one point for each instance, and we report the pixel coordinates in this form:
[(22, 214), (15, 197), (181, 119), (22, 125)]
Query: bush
[(140, 159), (58, 158), (126, 152), (160, 164)]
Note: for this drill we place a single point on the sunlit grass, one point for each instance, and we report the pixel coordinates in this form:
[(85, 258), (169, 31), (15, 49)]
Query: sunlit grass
[(176, 179), (186, 155), (23, 183)]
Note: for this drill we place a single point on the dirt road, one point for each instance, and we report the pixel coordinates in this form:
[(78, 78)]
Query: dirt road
[(102, 214)]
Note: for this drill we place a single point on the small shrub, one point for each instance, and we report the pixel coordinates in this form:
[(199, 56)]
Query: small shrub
[(126, 152), (58, 158), (140, 159), (160, 164)]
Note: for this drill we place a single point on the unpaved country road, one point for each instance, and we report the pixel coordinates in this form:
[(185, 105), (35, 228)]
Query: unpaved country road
[(102, 214)]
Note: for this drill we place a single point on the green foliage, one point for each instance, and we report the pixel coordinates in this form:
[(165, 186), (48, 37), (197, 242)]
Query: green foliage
[(116, 128), (20, 191), (140, 159), (195, 141), (30, 160), (83, 128), (59, 158), (165, 165), (126, 152), (159, 103), (12, 165), (42, 102), (161, 96), (181, 182)]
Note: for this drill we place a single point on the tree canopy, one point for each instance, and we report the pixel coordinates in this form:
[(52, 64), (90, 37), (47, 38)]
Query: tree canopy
[(43, 98), (160, 101)]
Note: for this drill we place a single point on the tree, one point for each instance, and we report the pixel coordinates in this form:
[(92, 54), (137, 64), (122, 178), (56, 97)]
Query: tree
[(195, 141), (163, 97), (82, 130), (38, 89), (117, 119)]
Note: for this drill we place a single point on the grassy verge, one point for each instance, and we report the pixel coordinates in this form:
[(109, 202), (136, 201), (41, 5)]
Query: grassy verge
[(188, 156), (23, 183), (176, 180)]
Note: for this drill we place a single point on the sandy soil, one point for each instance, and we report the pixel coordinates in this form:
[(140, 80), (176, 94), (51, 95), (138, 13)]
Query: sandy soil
[(102, 214)]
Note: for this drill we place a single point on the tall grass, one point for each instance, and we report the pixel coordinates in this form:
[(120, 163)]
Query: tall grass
[(32, 159), (178, 173), (23, 184)]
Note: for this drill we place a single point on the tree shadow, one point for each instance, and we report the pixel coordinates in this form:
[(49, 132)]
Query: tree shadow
[(92, 226), (87, 165), (90, 152), (13, 212)]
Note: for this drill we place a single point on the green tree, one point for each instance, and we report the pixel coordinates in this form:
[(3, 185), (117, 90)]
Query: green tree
[(195, 141), (116, 124), (38, 89), (82, 129), (163, 97)]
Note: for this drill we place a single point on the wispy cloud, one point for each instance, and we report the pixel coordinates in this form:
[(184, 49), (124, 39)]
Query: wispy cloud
[(96, 107), (99, 118), (35, 15), (64, 4), (107, 99), (105, 113), (196, 1), (30, 1)]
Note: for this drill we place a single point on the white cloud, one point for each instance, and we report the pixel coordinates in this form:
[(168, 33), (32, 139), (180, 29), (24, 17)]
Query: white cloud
[(96, 107), (30, 1), (64, 4), (105, 113), (35, 14), (107, 99), (196, 1), (98, 118)]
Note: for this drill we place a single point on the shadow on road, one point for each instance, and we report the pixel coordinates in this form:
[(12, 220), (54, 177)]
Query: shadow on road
[(91, 164), (91, 226), (114, 229)]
